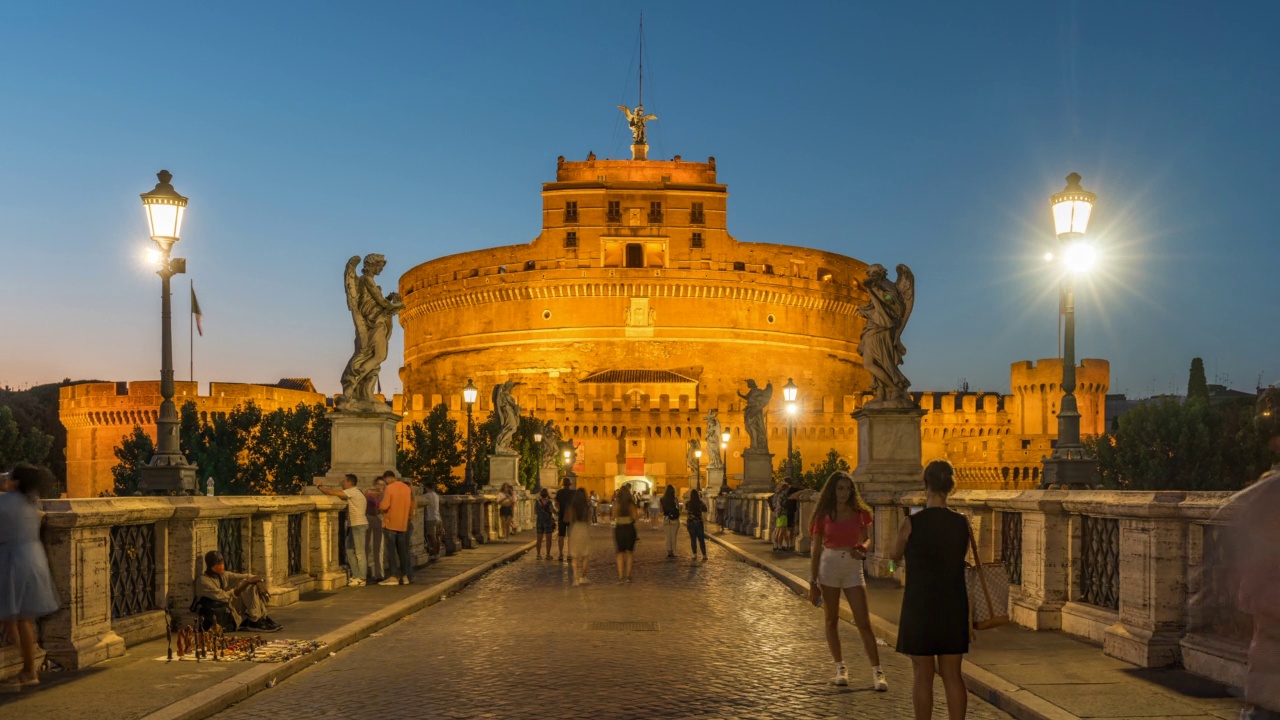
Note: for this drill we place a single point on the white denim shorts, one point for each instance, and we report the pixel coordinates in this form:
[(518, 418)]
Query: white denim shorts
[(839, 569)]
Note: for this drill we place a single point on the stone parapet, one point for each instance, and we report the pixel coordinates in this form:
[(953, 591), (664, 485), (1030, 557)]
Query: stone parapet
[(1118, 568)]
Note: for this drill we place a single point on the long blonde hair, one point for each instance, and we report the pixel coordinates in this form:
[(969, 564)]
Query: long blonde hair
[(827, 498), (625, 502)]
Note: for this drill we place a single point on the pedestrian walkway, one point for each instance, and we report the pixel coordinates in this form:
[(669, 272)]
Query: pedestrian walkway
[(685, 640), (141, 684), (1035, 674)]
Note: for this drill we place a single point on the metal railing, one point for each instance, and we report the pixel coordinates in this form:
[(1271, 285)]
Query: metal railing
[(1100, 561), (133, 569)]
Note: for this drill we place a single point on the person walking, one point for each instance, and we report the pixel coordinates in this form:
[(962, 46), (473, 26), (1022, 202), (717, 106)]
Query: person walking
[(579, 517), (507, 509), (841, 525), (626, 512), (374, 551), (545, 513), (27, 591), (357, 525), (398, 506), (655, 510), (694, 510), (595, 508), (431, 528), (670, 519), (564, 498), (934, 623)]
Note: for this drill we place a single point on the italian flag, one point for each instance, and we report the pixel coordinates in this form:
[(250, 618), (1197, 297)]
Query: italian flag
[(195, 310)]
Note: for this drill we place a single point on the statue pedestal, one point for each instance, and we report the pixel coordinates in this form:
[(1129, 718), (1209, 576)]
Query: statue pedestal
[(757, 471), (889, 462), (502, 469), (548, 478), (363, 444), (715, 479)]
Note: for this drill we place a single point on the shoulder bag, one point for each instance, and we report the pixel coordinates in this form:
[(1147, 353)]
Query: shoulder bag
[(988, 588)]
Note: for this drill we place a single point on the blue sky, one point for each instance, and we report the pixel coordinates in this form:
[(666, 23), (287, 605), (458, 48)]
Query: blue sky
[(930, 134)]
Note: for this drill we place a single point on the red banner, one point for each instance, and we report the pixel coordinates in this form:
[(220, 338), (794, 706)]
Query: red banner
[(635, 466)]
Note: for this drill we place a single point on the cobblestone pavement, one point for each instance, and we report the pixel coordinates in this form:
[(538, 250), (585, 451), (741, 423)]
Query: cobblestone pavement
[(730, 642)]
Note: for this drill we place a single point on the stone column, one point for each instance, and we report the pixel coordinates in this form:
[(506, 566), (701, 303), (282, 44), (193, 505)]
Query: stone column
[(804, 516), (479, 523), (503, 468), (270, 555), (889, 463), (79, 634), (362, 443), (757, 472), (466, 535), (1153, 556), (449, 523), (1046, 561), (321, 560)]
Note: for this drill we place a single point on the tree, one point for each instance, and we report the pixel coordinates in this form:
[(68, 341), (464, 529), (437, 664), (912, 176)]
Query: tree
[(1197, 386), (529, 451), (16, 446), (287, 450), (133, 452), (430, 450), (817, 474), (486, 434), (1163, 444), (216, 445)]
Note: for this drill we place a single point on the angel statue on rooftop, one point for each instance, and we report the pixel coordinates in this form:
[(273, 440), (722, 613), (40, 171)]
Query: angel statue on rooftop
[(636, 119), (886, 313), (372, 314)]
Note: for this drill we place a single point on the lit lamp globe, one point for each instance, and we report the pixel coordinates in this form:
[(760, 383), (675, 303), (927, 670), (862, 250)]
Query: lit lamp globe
[(469, 393), (165, 208), (789, 391), (724, 437), (1072, 209), (537, 437)]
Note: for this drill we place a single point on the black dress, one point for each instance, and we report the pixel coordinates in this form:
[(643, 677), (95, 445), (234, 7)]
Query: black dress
[(935, 606)]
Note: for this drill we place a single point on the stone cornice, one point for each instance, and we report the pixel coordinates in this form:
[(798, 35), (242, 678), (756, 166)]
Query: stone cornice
[(807, 299)]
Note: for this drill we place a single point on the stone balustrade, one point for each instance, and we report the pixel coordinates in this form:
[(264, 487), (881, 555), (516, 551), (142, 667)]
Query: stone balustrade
[(118, 563), (1136, 572)]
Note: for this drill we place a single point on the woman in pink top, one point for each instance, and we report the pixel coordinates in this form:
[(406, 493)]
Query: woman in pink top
[(841, 528)]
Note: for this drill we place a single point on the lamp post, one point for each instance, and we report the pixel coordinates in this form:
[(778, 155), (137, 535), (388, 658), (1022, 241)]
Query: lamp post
[(1068, 465), (697, 477), (168, 472), (537, 440), (469, 394), (568, 468), (789, 394), (724, 455)]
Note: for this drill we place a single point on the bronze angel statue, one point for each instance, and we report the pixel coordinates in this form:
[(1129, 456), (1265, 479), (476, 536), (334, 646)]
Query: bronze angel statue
[(636, 119), (372, 314), (881, 346)]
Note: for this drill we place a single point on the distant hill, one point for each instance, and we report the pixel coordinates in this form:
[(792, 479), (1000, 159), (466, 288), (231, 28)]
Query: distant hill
[(38, 407)]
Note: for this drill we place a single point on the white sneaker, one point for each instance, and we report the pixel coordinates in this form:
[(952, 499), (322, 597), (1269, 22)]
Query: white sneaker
[(355, 582), (842, 675), (390, 581), (879, 682)]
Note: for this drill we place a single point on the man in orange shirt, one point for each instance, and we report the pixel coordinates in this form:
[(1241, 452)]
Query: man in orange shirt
[(397, 507)]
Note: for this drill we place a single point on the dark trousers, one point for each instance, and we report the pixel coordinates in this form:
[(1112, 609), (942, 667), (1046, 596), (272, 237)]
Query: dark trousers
[(697, 536), (400, 542)]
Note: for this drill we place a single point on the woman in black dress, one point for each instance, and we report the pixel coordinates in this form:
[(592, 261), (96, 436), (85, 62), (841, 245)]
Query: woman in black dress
[(934, 625)]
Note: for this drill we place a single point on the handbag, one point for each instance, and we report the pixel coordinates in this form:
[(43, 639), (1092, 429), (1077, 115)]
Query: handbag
[(988, 588)]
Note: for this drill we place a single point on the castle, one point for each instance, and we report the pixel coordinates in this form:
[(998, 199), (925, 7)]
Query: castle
[(634, 312), (98, 416)]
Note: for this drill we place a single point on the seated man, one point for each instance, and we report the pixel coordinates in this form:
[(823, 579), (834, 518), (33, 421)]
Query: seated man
[(227, 598)]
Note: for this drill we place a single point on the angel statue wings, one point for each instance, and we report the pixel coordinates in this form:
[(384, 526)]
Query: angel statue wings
[(881, 346), (636, 119), (504, 404), (372, 314)]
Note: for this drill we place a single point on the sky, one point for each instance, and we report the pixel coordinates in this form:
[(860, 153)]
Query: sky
[(928, 133)]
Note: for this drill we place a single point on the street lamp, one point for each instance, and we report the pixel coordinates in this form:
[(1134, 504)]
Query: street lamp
[(1068, 465), (469, 394), (697, 477), (168, 472), (789, 392), (537, 440)]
